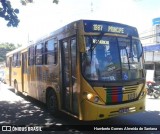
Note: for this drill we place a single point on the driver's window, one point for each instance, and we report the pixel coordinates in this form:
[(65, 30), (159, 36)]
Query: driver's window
[(124, 45), (137, 50), (135, 54)]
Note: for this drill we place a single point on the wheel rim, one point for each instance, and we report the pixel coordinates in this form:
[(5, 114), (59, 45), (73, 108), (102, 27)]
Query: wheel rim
[(156, 95)]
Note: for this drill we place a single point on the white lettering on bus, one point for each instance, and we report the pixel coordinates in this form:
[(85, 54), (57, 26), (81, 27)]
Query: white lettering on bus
[(115, 29), (97, 27), (100, 41)]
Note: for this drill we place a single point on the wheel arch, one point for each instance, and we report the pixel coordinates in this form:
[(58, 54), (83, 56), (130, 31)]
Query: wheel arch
[(51, 90)]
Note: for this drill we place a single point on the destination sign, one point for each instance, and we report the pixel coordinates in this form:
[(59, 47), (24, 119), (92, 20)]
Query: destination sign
[(115, 29), (109, 27), (112, 29)]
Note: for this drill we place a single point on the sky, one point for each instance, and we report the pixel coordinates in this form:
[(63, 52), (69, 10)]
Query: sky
[(42, 16)]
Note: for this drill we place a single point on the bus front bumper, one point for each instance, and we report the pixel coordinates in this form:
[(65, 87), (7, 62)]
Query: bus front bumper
[(92, 111)]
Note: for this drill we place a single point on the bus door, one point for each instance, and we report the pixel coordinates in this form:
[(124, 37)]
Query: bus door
[(69, 79), (24, 73), (10, 70)]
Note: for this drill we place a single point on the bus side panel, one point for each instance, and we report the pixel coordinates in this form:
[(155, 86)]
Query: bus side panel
[(17, 77), (31, 81), (47, 77)]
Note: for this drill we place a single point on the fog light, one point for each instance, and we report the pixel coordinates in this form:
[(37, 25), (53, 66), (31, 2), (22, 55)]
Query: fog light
[(96, 99)]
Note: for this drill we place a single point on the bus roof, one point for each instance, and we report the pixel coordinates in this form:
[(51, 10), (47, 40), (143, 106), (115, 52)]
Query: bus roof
[(89, 26), (16, 50)]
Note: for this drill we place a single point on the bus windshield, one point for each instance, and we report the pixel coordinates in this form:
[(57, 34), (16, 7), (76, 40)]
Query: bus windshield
[(112, 59)]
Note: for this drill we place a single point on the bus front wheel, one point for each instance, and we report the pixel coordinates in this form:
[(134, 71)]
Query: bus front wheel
[(52, 103)]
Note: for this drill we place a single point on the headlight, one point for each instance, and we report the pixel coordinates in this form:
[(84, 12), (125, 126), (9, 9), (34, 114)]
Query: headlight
[(91, 97)]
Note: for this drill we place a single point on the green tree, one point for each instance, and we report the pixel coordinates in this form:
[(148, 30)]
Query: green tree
[(5, 48), (10, 14)]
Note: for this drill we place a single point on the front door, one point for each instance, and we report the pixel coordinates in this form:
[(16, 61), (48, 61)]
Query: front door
[(69, 78), (10, 71)]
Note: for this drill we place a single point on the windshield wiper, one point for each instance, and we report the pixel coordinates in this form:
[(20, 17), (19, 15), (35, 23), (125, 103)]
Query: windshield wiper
[(128, 59), (93, 46)]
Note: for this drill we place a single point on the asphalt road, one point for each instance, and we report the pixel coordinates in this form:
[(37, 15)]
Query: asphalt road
[(29, 114)]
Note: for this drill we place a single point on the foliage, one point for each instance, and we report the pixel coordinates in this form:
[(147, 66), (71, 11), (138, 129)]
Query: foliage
[(10, 14), (55, 1), (5, 48), (24, 2)]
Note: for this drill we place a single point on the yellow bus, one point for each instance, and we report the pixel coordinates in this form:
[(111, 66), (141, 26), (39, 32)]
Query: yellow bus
[(89, 69)]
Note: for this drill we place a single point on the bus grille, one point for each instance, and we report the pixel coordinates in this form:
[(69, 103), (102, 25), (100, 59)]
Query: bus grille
[(130, 89), (114, 95)]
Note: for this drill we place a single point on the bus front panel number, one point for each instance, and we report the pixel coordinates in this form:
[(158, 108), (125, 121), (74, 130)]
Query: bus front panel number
[(132, 96), (97, 27), (124, 110)]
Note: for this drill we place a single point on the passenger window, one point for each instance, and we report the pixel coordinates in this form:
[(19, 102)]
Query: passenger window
[(51, 52), (31, 56), (39, 54)]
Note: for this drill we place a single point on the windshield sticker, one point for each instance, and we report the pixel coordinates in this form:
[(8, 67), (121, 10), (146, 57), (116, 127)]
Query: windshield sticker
[(95, 41)]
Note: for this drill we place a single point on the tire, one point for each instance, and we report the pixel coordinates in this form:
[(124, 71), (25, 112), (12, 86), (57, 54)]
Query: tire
[(52, 103), (156, 95)]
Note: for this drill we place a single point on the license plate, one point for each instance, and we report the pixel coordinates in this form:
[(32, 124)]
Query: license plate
[(132, 96), (124, 110)]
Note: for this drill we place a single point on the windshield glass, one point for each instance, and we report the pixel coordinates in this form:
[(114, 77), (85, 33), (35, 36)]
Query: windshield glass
[(112, 59)]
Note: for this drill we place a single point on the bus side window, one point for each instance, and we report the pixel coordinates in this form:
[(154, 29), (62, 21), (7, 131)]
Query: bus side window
[(14, 60), (18, 61), (50, 52), (38, 54), (31, 56)]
